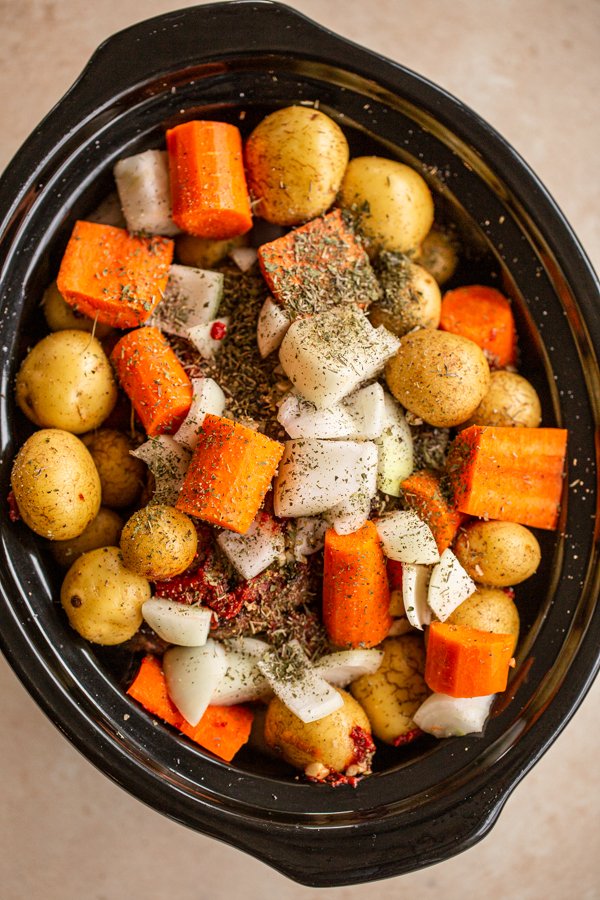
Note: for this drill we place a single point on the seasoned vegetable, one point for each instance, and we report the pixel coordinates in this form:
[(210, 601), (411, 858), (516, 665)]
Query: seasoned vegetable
[(463, 662), (438, 254), (483, 315), (411, 297), (499, 554), (60, 316), (423, 492), (121, 474), (488, 609), (103, 531), (510, 401), (158, 542)]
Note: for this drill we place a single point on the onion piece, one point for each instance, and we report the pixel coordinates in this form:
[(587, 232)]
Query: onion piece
[(415, 581), (309, 536), (244, 257), (271, 327), (445, 716), (144, 191), (168, 461), (351, 514), (205, 339), (192, 675), (192, 298), (396, 458), (207, 397), (359, 417), (251, 553), (178, 623), (449, 586), (345, 666), (243, 681), (108, 212), (293, 680), (407, 539)]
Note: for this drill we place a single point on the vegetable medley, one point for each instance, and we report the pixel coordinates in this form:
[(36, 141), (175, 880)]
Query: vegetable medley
[(291, 472)]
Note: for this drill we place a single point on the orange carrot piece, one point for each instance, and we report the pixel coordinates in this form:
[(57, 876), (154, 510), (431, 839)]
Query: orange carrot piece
[(464, 662), (153, 379), (356, 594), (208, 185), (318, 265), (229, 474), (112, 275), (511, 474), (423, 493), (483, 315), (222, 729)]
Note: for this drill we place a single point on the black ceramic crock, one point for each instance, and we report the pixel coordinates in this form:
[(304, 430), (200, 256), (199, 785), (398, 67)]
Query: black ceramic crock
[(237, 61)]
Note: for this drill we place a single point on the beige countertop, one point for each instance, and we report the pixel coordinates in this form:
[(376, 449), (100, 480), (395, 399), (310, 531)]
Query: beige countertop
[(531, 68)]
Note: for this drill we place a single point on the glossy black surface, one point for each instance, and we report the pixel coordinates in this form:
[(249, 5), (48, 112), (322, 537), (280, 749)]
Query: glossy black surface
[(219, 61)]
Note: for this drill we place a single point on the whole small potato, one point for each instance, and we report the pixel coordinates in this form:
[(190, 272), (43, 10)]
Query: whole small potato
[(411, 296), (59, 315), (327, 745), (438, 376), (122, 476), (103, 531), (438, 254), (66, 382), (295, 160), (392, 201), (511, 401), (102, 599), (392, 695), (488, 609), (204, 253), (499, 554), (55, 484), (158, 542)]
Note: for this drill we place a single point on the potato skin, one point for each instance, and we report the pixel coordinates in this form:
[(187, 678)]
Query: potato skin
[(327, 741), (55, 484), (66, 381), (499, 554), (122, 476), (204, 253), (102, 599), (510, 401), (488, 609), (295, 160), (438, 376), (391, 696), (158, 542), (392, 201), (103, 531), (438, 255), (60, 316), (411, 296)]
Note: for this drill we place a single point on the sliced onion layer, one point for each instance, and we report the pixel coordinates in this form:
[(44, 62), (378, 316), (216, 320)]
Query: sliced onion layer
[(178, 623), (407, 539), (304, 691), (243, 681), (244, 257), (144, 191), (359, 417), (271, 327), (208, 339), (415, 582), (168, 461), (192, 299), (449, 585), (207, 398), (396, 459), (192, 675), (345, 666), (309, 536), (251, 553), (445, 716)]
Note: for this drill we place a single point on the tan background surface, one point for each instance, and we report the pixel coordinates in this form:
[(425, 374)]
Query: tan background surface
[(530, 67)]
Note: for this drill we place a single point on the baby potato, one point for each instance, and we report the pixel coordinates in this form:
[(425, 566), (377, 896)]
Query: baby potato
[(122, 476), (59, 315), (392, 201), (103, 531), (392, 695), (55, 484), (438, 255), (204, 253), (295, 160), (511, 401), (327, 745), (411, 296), (488, 609), (66, 381), (102, 599), (499, 554), (438, 376), (158, 542)]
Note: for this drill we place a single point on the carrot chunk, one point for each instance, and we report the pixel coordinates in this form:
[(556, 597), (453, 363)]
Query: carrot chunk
[(222, 729), (356, 594), (112, 275), (483, 315), (464, 662), (511, 474), (208, 185), (423, 493), (229, 474), (318, 265), (153, 379)]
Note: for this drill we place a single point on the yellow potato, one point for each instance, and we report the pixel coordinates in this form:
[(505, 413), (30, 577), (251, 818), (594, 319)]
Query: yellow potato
[(488, 609), (204, 253), (59, 315), (122, 476), (295, 159), (66, 381), (158, 542), (510, 401), (392, 201), (411, 296), (438, 376), (320, 747), (102, 599), (103, 531), (391, 696), (438, 254), (56, 484), (499, 554)]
